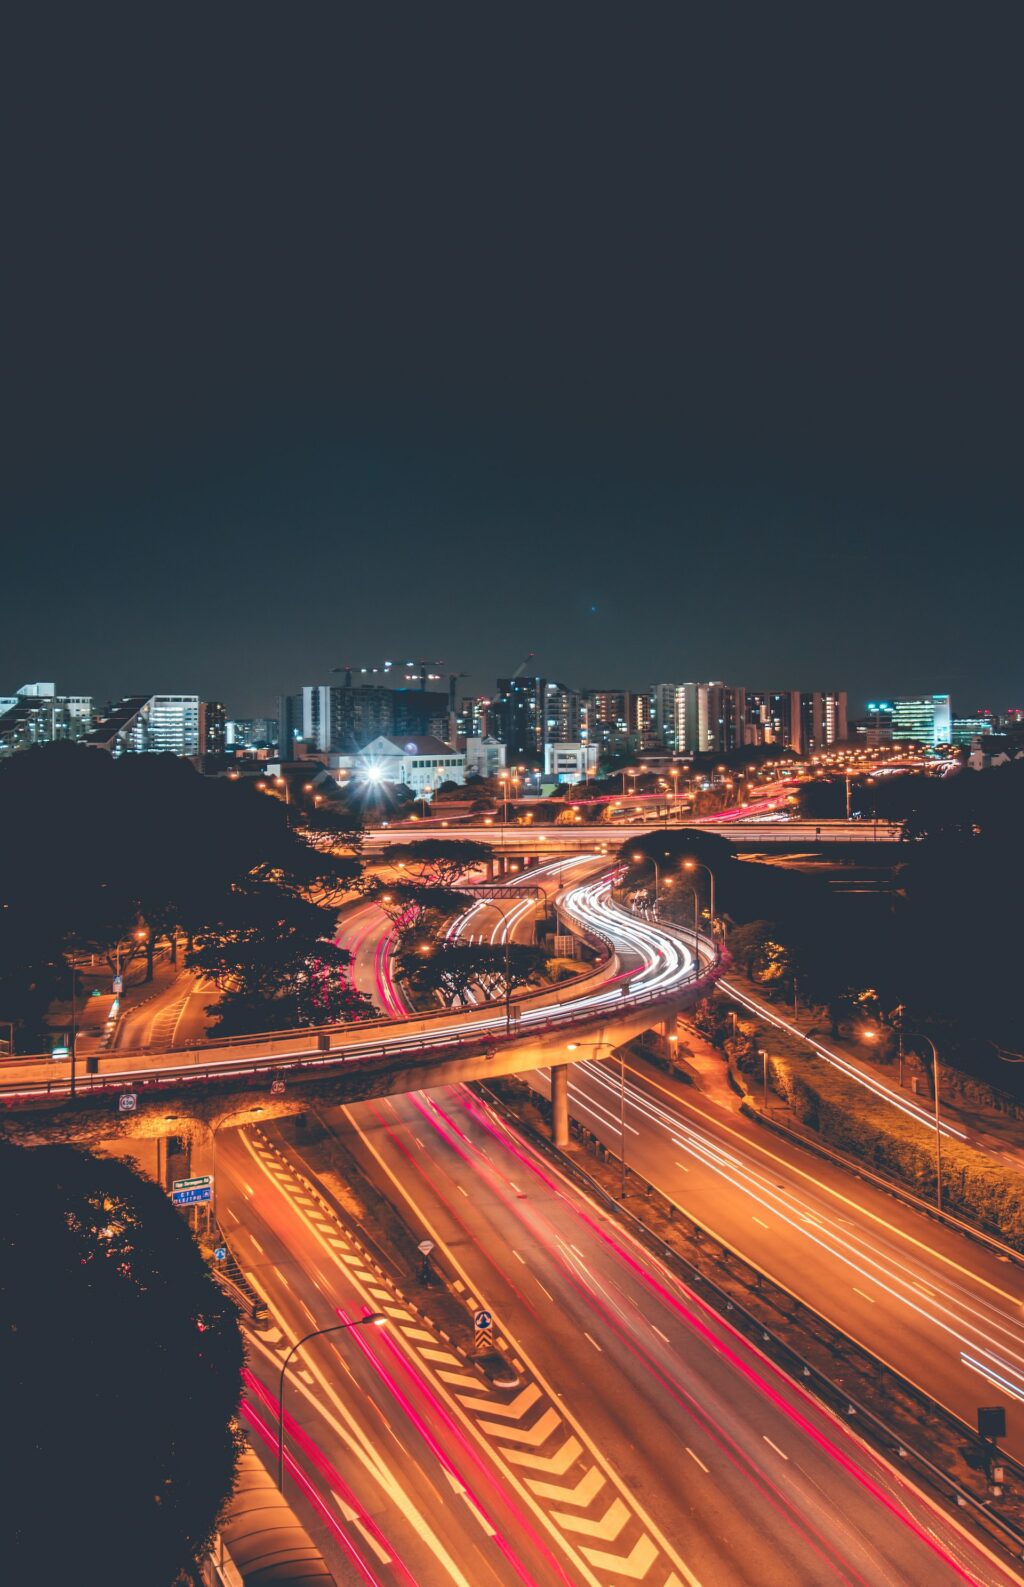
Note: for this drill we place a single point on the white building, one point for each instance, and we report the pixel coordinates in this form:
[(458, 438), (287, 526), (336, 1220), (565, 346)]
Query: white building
[(485, 757), (570, 763), (420, 763)]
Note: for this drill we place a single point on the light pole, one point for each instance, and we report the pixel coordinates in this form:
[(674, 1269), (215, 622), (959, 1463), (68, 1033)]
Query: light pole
[(637, 860), (574, 1046), (699, 865), (376, 1317), (872, 1035), (938, 1127)]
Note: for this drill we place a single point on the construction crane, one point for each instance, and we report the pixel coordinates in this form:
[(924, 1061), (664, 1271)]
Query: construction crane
[(348, 669), (424, 674), (524, 664), (453, 678)]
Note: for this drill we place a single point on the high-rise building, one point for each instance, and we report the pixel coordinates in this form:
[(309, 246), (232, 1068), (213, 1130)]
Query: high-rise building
[(668, 714), (37, 714), (561, 713), (213, 728), (519, 716), (922, 718), (149, 724), (474, 717), (255, 732), (616, 719)]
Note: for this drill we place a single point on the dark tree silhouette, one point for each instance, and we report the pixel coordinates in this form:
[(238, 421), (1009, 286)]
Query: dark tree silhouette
[(121, 1363)]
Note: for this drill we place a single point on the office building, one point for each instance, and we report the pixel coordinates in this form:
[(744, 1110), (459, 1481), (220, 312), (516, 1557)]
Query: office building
[(255, 732), (967, 728), (37, 714), (149, 724), (485, 756), (922, 719), (570, 763), (420, 763), (519, 717), (213, 728)]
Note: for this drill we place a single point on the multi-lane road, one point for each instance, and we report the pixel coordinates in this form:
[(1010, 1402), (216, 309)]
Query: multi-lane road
[(646, 1441)]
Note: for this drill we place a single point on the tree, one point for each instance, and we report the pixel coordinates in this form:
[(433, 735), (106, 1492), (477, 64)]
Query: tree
[(121, 1361), (451, 969), (438, 862), (418, 910)]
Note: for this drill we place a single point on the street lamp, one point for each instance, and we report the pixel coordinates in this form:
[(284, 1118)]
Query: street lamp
[(377, 1318), (574, 1046), (872, 1035), (637, 860), (699, 865)]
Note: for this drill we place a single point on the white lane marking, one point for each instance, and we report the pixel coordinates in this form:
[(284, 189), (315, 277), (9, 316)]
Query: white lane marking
[(776, 1448), (592, 1341), (697, 1458), (759, 1220), (659, 1333), (682, 1166), (546, 1291), (519, 1258), (862, 1294), (464, 1191), (256, 1243)]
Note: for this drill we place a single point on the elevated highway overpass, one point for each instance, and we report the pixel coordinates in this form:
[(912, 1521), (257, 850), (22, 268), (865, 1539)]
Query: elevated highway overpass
[(643, 973), (575, 837)]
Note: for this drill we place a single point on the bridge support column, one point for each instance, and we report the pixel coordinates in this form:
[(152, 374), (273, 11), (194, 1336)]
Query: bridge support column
[(560, 1104)]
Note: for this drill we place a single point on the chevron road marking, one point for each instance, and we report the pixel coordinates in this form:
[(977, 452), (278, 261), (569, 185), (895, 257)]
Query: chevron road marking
[(607, 1527), (513, 1410), (500, 1423), (556, 1465), (588, 1486), (634, 1565), (534, 1436)]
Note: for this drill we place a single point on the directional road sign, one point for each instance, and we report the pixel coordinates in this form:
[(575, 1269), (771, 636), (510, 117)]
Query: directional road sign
[(192, 1198), (220, 1252), (191, 1184)]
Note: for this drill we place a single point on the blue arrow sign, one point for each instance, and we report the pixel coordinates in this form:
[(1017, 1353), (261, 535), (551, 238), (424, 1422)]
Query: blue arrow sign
[(220, 1252)]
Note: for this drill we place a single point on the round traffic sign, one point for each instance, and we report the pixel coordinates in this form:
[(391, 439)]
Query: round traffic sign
[(482, 1320)]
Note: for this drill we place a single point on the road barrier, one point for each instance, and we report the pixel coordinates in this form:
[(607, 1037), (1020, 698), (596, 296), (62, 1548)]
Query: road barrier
[(1006, 1533)]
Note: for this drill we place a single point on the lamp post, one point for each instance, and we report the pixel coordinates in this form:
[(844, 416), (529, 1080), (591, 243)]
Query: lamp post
[(637, 860), (872, 1035), (938, 1127), (376, 1317), (699, 865), (574, 1046)]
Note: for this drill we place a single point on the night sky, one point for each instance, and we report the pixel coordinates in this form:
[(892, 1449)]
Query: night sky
[(660, 343)]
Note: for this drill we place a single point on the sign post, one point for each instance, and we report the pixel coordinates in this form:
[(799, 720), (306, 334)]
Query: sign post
[(192, 1192), (483, 1333)]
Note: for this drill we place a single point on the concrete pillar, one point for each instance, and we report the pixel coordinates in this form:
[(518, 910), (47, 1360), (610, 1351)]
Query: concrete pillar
[(670, 1026), (560, 1104)]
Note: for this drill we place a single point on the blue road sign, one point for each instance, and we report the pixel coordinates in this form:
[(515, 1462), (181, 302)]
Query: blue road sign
[(482, 1321), (192, 1198), (220, 1252)]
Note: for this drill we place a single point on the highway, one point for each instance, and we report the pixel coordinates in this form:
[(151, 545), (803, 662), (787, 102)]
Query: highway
[(530, 839), (941, 1310), (646, 1441), (662, 968)]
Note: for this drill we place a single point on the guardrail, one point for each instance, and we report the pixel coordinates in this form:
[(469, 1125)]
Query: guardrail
[(805, 1375), (567, 1011)]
